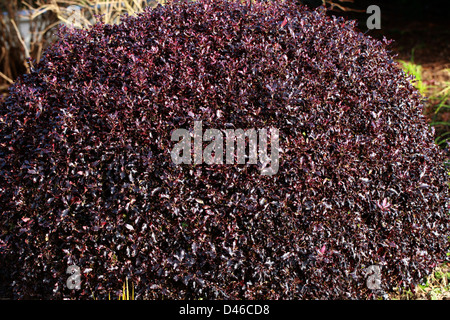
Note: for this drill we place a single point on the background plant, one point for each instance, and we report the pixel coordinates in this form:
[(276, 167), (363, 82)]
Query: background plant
[(434, 287), (436, 100), (44, 16), (440, 102), (109, 10), (415, 71), (15, 54)]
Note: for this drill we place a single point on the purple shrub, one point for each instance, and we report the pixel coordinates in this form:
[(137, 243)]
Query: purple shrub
[(87, 176)]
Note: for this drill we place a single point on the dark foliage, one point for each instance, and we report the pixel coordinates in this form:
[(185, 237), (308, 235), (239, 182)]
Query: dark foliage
[(87, 177)]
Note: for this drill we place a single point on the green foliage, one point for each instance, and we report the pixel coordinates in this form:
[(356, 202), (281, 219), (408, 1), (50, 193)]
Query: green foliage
[(442, 102), (415, 70), (436, 98)]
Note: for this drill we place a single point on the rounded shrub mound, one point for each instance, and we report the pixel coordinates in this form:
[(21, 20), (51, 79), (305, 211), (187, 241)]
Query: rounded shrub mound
[(88, 178)]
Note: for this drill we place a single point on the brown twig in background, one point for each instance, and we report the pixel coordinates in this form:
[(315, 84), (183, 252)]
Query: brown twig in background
[(4, 76), (24, 46), (331, 5)]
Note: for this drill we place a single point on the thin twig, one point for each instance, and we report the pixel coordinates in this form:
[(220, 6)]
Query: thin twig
[(4, 87), (27, 53), (4, 76)]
